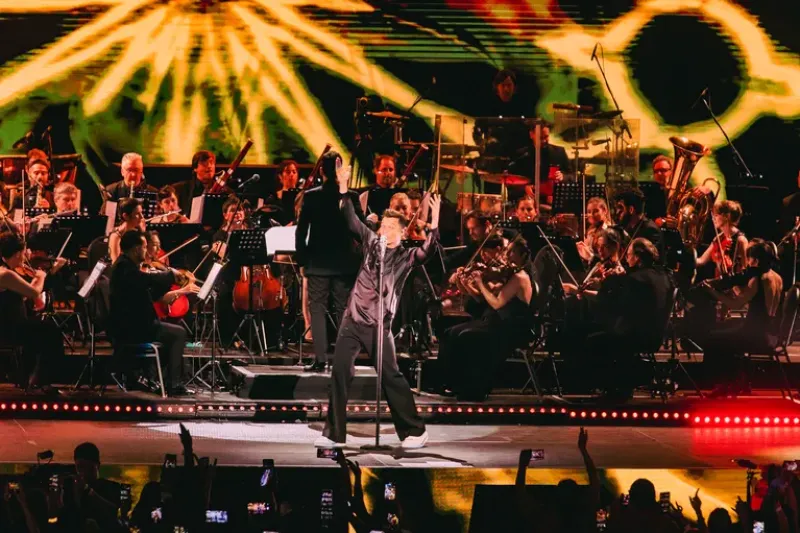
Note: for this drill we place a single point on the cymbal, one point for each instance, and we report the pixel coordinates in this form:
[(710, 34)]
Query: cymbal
[(607, 115), (462, 168), (508, 179), (386, 115)]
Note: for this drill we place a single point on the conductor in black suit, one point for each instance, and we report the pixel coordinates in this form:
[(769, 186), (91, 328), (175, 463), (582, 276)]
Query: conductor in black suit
[(330, 258)]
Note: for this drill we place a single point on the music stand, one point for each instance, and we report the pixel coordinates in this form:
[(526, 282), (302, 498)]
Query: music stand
[(247, 248), (206, 291), (86, 289)]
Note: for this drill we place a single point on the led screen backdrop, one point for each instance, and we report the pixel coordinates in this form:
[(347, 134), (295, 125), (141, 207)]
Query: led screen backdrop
[(169, 77)]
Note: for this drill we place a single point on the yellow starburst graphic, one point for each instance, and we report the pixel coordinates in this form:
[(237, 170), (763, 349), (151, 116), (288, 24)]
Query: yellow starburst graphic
[(244, 53)]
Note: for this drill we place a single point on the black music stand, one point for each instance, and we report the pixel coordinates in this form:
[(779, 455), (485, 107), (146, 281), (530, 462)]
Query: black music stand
[(247, 248), (568, 197), (208, 290)]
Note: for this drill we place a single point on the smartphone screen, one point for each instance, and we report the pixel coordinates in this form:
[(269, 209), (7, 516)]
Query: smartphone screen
[(124, 494), (758, 527), (257, 508), (269, 472), (326, 509), (155, 515), (663, 499), (216, 517), (54, 485), (536, 455), (170, 460), (389, 492), (600, 519), (328, 453)]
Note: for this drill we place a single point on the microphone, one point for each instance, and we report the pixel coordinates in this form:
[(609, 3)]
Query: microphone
[(594, 51), (702, 95), (253, 178), (745, 463), (23, 142), (381, 247), (573, 107), (46, 132)]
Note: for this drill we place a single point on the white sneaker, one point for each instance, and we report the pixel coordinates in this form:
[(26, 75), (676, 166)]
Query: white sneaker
[(325, 442), (412, 443)]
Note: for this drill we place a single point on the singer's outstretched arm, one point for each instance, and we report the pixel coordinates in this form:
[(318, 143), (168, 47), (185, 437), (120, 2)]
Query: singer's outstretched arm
[(356, 227)]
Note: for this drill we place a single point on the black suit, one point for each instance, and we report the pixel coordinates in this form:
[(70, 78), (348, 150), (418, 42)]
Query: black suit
[(330, 258), (552, 155), (118, 191), (190, 189), (647, 229), (133, 319)]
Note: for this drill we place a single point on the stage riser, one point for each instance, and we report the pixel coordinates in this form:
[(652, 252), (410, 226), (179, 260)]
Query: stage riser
[(259, 382)]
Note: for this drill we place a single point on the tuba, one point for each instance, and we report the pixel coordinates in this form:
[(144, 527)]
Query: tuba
[(690, 206)]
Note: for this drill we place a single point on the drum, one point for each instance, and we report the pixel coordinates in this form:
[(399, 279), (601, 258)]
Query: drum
[(486, 203)]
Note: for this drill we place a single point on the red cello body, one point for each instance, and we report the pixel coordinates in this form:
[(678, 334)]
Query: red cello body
[(268, 292)]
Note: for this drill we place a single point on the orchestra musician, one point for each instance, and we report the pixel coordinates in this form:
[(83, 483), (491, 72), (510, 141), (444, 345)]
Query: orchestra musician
[(282, 205), (234, 217), (790, 209), (471, 353), (168, 204), (475, 305), (724, 344), (630, 315), (132, 170), (662, 174), (40, 188), (599, 220), (153, 258), (376, 199), (132, 219), (606, 262), (629, 210), (204, 171), (66, 199), (43, 347), (551, 171), (478, 226), (358, 327), (132, 317), (728, 251), (525, 210), (329, 260)]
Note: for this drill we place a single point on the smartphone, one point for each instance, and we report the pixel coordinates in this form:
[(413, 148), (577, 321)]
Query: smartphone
[(216, 517), (155, 515), (326, 509), (536, 455), (600, 519), (626, 499), (54, 484), (170, 460), (389, 492), (328, 453), (257, 508), (179, 529), (663, 499), (13, 487), (790, 466), (758, 527), (269, 471), (124, 494)]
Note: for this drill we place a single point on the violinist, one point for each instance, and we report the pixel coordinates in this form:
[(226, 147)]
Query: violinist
[(132, 219), (477, 225), (606, 263), (170, 208), (132, 317), (43, 346), (153, 259), (463, 349), (475, 305), (526, 209), (630, 214), (630, 315), (132, 170), (728, 251), (723, 345), (598, 221)]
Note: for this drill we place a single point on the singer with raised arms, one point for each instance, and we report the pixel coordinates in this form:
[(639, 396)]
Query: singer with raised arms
[(359, 325)]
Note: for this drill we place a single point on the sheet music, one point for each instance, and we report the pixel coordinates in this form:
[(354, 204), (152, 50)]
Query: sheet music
[(205, 290), (111, 213), (280, 239), (90, 282), (196, 216)]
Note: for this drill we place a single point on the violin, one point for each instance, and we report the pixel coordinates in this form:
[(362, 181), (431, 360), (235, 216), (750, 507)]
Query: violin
[(601, 271), (720, 254), (27, 273)]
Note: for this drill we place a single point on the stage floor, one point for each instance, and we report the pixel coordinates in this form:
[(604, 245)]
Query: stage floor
[(236, 443)]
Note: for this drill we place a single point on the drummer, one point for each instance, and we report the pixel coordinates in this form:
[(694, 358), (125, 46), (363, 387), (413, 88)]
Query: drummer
[(554, 163)]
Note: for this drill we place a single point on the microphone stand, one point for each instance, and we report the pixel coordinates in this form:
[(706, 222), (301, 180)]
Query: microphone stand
[(379, 358), (737, 157)]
